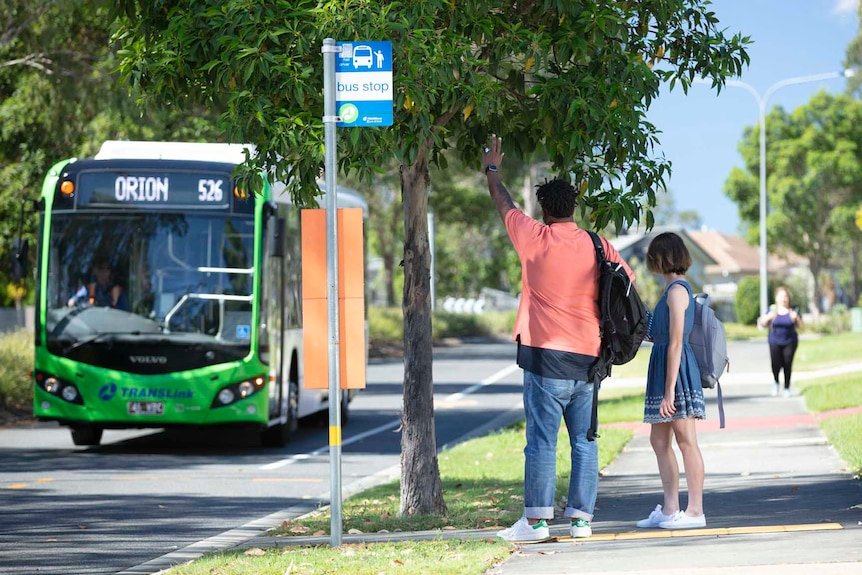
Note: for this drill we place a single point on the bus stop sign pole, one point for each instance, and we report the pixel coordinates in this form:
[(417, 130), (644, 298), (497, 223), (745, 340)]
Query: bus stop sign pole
[(331, 166)]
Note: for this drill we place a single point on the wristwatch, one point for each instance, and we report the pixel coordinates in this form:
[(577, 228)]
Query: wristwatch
[(490, 168)]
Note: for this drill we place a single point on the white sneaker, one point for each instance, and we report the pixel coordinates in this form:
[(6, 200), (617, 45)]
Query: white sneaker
[(682, 521), (655, 518), (523, 531), (775, 389), (785, 393), (581, 528)]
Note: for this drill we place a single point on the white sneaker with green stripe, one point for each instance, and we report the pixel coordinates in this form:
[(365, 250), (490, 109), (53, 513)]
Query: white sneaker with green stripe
[(581, 528), (523, 531)]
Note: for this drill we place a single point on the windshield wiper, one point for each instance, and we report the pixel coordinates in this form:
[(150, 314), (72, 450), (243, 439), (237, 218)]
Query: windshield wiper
[(96, 337)]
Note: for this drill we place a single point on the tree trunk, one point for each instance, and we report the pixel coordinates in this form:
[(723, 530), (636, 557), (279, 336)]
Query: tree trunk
[(421, 489), (814, 265), (389, 278)]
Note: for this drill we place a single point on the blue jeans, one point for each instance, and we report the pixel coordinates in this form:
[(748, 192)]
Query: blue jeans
[(546, 401)]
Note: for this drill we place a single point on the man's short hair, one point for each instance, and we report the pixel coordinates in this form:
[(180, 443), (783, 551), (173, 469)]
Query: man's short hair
[(558, 198), (667, 254)]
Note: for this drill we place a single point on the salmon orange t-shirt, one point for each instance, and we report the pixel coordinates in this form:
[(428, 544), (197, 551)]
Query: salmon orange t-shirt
[(559, 297)]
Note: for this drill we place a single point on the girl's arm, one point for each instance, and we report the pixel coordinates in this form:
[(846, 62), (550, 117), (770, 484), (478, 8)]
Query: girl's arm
[(677, 303)]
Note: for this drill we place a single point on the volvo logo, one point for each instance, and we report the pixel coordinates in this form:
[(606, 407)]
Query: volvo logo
[(154, 359), (108, 391)]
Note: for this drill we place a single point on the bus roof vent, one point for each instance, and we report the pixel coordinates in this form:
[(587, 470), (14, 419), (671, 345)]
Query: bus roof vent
[(193, 151)]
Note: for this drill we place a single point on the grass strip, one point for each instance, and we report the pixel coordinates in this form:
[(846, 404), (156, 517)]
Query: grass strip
[(827, 351), (843, 432), (844, 435), (452, 557), (833, 392), (482, 484)]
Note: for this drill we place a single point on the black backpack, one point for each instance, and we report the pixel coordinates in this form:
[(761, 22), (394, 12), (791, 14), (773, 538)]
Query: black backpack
[(622, 323)]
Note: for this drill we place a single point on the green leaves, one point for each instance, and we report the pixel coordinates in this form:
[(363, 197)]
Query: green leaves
[(567, 78)]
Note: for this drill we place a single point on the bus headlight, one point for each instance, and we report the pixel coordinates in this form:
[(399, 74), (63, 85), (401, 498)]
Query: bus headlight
[(226, 396), (237, 391), (245, 389), (52, 385), (69, 393)]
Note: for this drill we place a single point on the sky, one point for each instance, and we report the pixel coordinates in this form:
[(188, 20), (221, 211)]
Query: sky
[(700, 131)]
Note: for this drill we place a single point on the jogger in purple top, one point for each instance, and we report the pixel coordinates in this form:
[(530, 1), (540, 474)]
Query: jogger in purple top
[(783, 322)]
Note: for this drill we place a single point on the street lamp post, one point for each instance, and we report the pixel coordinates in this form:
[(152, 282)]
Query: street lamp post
[(761, 104)]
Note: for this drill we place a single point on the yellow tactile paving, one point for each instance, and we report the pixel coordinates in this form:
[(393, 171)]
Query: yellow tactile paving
[(813, 527), (707, 532)]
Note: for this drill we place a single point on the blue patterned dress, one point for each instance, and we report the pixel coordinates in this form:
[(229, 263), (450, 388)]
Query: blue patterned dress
[(689, 393)]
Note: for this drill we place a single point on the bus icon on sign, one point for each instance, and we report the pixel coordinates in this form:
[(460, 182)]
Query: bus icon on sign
[(362, 56)]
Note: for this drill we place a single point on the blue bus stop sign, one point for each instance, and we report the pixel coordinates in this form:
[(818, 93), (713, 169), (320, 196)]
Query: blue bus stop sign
[(363, 84)]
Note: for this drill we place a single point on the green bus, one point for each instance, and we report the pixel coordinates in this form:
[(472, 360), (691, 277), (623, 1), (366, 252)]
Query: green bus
[(197, 320)]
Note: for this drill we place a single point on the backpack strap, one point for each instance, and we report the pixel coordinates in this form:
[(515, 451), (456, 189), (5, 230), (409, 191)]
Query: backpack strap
[(703, 300), (597, 243), (684, 284), (592, 432)]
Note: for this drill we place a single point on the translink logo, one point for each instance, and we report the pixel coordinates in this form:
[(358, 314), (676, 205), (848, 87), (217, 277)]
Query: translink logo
[(108, 392)]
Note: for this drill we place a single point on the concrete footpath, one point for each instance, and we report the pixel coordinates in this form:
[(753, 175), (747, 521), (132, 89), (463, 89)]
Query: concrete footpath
[(778, 500)]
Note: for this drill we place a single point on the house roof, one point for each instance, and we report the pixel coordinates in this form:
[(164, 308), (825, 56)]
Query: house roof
[(730, 253)]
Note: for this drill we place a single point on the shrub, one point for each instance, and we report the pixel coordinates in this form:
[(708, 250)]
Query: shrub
[(746, 304), (836, 321), (386, 326), (16, 361)]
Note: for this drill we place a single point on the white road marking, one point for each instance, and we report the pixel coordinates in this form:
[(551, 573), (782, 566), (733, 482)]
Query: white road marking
[(494, 378)]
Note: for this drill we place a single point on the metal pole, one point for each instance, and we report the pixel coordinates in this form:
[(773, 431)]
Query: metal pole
[(764, 255), (330, 165), (761, 103)]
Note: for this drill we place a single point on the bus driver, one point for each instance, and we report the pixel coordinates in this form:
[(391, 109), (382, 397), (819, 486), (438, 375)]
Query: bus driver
[(102, 292)]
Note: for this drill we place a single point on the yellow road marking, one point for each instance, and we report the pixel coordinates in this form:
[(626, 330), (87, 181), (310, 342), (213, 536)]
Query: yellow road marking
[(151, 479), (708, 532), (44, 480), (18, 486)]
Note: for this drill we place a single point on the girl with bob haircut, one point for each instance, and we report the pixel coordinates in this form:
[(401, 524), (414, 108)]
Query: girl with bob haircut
[(674, 397)]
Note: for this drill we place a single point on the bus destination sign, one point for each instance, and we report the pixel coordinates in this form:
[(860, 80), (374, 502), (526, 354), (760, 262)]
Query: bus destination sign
[(151, 189)]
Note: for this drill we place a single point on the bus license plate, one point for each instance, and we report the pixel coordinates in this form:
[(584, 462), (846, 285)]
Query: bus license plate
[(146, 408)]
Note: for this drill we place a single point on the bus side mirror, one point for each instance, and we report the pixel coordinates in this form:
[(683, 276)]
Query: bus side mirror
[(276, 240), (20, 249)]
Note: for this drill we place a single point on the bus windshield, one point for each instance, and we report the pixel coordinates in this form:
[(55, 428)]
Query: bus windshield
[(178, 277)]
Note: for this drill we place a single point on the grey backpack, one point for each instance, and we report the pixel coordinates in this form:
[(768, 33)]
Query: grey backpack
[(709, 343)]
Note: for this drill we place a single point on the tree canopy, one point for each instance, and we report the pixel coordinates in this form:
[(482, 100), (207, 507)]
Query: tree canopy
[(573, 78)]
